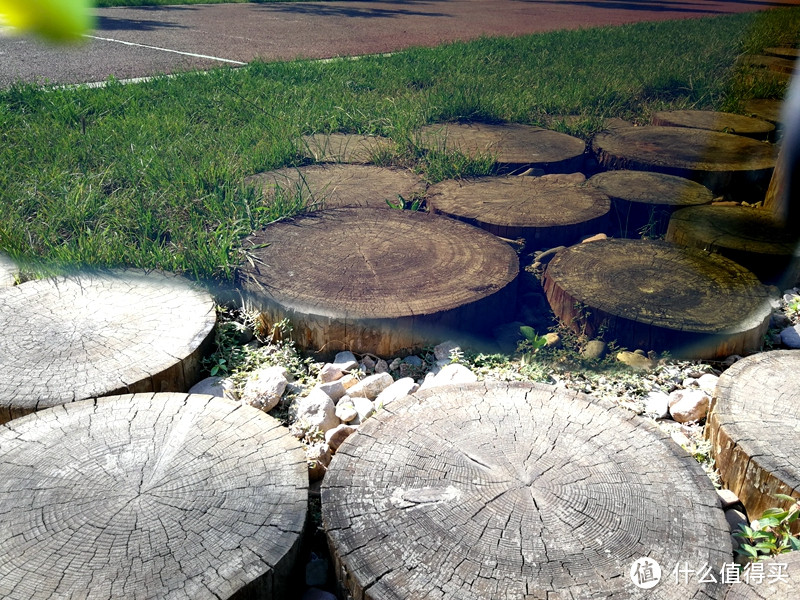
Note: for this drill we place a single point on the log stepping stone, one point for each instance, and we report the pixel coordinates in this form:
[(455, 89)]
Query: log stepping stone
[(335, 186), (790, 53), (378, 281), (753, 429), (642, 202), (8, 271), (514, 146), (749, 236), (776, 64), (765, 108), (345, 148), (720, 161), (97, 334), (716, 121), (659, 296), (149, 496), (544, 213), (498, 490), (779, 580)]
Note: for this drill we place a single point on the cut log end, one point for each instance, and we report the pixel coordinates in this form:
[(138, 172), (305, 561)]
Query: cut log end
[(716, 121), (139, 496), (346, 148)]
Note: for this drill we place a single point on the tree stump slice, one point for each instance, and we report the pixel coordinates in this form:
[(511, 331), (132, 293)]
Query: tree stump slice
[(337, 186), (751, 237), (790, 53), (775, 64), (514, 146), (8, 272), (515, 490), (345, 148), (379, 281), (753, 429), (716, 121), (658, 296), (544, 213), (641, 200), (720, 161), (765, 108), (772, 587), (88, 335), (149, 496)]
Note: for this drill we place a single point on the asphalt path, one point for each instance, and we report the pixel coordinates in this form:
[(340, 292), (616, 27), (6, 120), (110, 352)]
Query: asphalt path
[(140, 42)]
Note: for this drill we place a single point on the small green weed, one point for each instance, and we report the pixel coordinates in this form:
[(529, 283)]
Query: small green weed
[(770, 535)]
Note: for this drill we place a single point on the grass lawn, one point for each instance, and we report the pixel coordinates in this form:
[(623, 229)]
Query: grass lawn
[(107, 3), (149, 175)]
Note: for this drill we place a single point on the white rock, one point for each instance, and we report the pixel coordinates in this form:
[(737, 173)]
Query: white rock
[(364, 407), (346, 410), (427, 382), (443, 350), (708, 383), (213, 386), (317, 410), (657, 404), (345, 361), (381, 366), (371, 386), (349, 381), (334, 389), (688, 405), (450, 374), (265, 387), (330, 372), (399, 389), (635, 360), (334, 437), (791, 337)]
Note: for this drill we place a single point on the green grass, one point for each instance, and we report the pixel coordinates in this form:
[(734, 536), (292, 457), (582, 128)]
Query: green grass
[(107, 3), (150, 175)]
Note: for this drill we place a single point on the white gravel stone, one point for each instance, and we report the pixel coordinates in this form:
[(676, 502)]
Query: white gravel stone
[(334, 389), (399, 389), (708, 383), (657, 404), (212, 386), (371, 386), (450, 374), (334, 437), (688, 405), (346, 410), (265, 387), (317, 410), (345, 361), (365, 409), (330, 372)]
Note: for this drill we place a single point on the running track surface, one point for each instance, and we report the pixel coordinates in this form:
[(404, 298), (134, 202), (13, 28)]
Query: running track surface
[(139, 42)]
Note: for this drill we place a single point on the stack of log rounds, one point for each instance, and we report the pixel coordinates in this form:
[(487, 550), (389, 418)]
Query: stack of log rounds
[(658, 296), (749, 236), (337, 186), (96, 334), (642, 202), (783, 66), (379, 281), (149, 496), (345, 148), (753, 429), (720, 161), (498, 490), (8, 271), (544, 213), (790, 53), (514, 146), (780, 580), (716, 121)]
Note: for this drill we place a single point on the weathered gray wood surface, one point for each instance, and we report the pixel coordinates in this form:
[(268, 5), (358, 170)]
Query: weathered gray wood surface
[(337, 186), (781, 580), (720, 161), (345, 148), (149, 496), (515, 491), (378, 281), (514, 146), (715, 121), (659, 296), (752, 237), (643, 201), (8, 271), (767, 109), (544, 213), (88, 335), (753, 429)]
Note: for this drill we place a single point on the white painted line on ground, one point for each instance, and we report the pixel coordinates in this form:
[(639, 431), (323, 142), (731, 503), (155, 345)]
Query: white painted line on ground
[(225, 60)]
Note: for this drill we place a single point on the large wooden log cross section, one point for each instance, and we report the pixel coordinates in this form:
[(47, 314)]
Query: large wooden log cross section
[(753, 429), (149, 497), (516, 491), (97, 334), (379, 281), (659, 296)]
